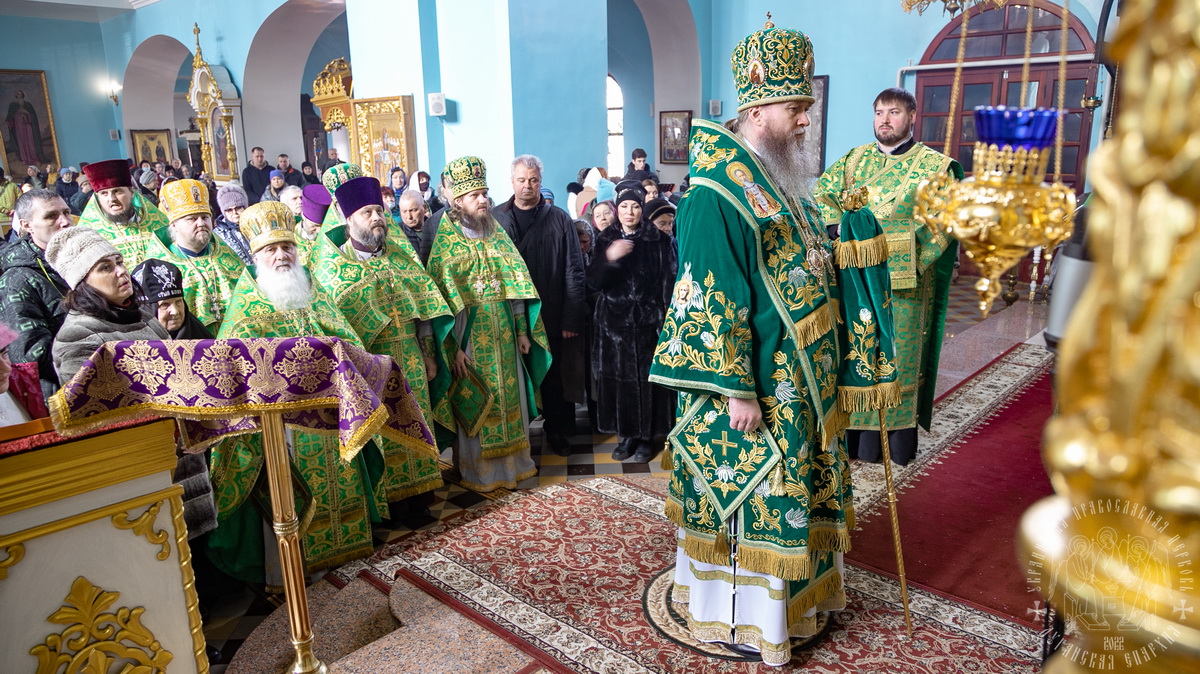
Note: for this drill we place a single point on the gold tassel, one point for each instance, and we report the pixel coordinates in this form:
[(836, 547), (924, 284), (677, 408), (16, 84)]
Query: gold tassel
[(814, 326), (721, 545), (869, 398), (666, 462), (777, 480), (859, 254)]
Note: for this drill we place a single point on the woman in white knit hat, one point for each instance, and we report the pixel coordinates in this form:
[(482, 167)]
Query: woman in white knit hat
[(101, 305)]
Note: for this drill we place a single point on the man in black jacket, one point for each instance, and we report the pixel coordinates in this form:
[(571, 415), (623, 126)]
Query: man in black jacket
[(290, 175), (257, 175), (32, 291), (549, 244)]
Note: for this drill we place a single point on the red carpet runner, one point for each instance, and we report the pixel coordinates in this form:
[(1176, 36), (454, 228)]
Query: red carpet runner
[(959, 520)]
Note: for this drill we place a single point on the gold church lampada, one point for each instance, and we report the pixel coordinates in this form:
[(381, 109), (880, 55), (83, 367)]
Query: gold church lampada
[(1004, 210)]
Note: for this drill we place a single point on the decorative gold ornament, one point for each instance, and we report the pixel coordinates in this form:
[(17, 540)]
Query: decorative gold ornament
[(332, 92), (951, 6), (143, 525), (1000, 214), (13, 554), (1118, 542), (95, 640)]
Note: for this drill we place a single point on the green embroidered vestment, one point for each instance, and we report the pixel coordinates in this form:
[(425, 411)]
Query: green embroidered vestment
[(208, 279), (754, 315), (135, 241), (920, 263), (343, 494), (479, 276), (382, 298)]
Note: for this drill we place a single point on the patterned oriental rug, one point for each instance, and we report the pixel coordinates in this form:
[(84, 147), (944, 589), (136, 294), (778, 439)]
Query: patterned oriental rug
[(959, 516), (577, 575)]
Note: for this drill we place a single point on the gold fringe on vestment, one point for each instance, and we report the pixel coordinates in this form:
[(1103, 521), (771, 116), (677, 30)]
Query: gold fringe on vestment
[(814, 326), (826, 594), (837, 420), (869, 398), (703, 550), (673, 510), (859, 254), (394, 495), (789, 564), (833, 540)]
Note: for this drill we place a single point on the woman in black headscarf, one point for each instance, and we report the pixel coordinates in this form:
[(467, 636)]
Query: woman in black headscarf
[(632, 271), (161, 286)]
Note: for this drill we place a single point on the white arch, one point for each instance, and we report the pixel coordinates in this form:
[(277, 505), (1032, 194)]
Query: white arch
[(148, 93), (675, 48), (271, 83)]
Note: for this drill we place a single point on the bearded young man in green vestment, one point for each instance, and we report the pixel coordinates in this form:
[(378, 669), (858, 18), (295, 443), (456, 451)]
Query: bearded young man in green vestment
[(210, 268), (374, 277), (276, 298), (920, 263), (753, 342), (120, 214), (494, 340)]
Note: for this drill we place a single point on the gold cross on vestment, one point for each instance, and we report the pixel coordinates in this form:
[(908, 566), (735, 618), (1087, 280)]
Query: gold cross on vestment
[(725, 442)]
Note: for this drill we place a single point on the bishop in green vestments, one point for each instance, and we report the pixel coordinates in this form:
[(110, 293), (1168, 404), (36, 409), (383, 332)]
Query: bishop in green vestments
[(275, 298), (120, 214), (495, 341), (920, 262), (754, 343)]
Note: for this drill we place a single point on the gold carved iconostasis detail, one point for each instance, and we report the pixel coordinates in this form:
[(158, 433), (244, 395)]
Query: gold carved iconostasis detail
[(381, 130), (218, 115)]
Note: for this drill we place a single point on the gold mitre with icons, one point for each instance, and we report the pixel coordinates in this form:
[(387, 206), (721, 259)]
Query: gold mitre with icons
[(181, 198), (773, 65), (267, 222), (467, 174)]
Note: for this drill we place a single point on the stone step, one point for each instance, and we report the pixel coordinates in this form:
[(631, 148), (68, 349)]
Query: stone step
[(343, 621), (433, 638)]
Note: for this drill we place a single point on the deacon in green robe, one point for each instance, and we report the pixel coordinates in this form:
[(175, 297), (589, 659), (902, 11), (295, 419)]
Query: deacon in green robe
[(276, 298), (119, 213), (497, 349), (374, 277), (760, 482), (210, 268), (920, 261)]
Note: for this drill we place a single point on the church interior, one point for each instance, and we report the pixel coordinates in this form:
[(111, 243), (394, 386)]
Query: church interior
[(1045, 520)]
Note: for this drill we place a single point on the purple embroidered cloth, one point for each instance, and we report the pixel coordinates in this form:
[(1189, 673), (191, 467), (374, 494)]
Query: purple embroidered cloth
[(217, 387)]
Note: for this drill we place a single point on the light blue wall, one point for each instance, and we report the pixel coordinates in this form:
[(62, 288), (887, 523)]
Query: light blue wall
[(702, 11), (632, 65), (333, 43), (559, 69), (432, 79), (72, 54)]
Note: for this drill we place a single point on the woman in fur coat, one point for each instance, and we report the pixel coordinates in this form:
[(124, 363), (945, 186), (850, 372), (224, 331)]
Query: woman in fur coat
[(632, 271)]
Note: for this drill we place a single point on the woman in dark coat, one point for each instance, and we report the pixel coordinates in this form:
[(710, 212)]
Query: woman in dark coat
[(632, 271)]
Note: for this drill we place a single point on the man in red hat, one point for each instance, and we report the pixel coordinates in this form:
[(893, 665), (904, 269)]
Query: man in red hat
[(120, 214)]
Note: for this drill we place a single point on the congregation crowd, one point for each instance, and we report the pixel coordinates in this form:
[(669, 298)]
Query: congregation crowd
[(735, 331)]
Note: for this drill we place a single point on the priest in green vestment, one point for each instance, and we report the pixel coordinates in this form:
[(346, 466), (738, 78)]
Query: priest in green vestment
[(754, 341), (495, 342), (376, 280), (210, 268), (276, 298), (920, 262), (119, 213)]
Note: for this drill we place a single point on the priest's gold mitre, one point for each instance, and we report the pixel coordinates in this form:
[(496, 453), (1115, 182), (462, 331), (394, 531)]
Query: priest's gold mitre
[(773, 65), (181, 198), (467, 175), (267, 222)]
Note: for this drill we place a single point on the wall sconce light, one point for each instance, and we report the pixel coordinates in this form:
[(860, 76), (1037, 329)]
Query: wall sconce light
[(112, 88)]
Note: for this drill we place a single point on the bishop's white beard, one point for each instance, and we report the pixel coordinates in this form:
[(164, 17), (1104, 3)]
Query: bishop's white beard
[(288, 289), (792, 169)]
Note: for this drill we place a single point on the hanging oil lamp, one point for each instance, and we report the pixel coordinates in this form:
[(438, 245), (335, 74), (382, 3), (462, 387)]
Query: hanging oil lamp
[(1005, 209)]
